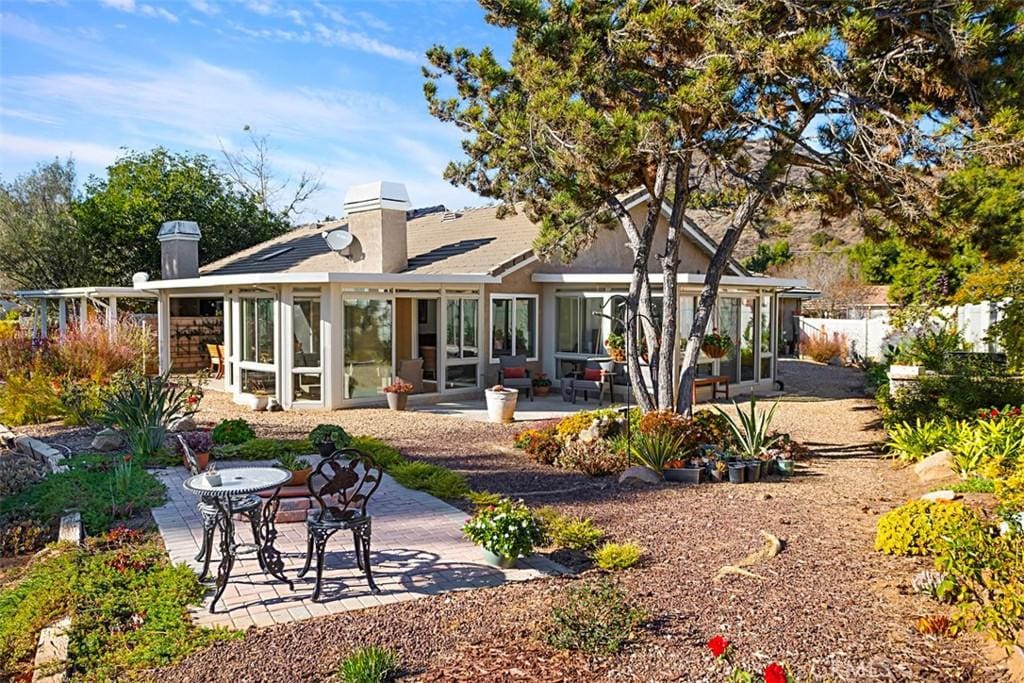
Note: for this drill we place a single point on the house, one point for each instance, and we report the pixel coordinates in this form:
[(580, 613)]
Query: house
[(328, 314)]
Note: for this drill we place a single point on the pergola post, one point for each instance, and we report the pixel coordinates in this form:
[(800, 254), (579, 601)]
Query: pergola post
[(44, 322), (163, 330), (112, 316), (83, 313), (62, 316)]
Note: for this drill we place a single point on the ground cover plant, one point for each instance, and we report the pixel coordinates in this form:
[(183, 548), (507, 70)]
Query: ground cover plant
[(127, 603), (232, 432), (613, 556), (593, 617), (369, 665), (262, 449), (103, 488), (438, 481)]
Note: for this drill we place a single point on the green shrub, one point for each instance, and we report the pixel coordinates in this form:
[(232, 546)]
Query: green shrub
[(655, 450), (384, 454), (715, 428), (921, 527), (914, 442), (958, 396), (232, 432), (1010, 491), (593, 617), (483, 498), (436, 480), (507, 529), (333, 434), (568, 428), (542, 445), (263, 449), (141, 408), (129, 605), (93, 484), (595, 458), (617, 555), (974, 485), (369, 665), (985, 578), (575, 533)]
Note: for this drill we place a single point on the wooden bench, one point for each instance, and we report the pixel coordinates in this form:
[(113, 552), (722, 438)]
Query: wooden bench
[(711, 381)]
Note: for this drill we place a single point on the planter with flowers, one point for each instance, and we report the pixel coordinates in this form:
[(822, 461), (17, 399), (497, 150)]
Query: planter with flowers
[(716, 344), (505, 532), (398, 394), (541, 384), (200, 443), (501, 403), (615, 344)]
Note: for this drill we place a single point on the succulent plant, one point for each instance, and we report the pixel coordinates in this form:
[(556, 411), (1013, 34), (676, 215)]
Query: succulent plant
[(927, 582)]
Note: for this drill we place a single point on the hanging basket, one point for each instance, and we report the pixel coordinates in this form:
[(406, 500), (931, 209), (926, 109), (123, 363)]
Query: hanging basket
[(616, 354), (714, 350)]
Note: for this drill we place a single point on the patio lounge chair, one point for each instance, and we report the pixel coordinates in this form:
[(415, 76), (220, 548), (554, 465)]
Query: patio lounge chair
[(247, 506), (411, 371), (592, 380), (342, 485), (513, 373), (216, 353)]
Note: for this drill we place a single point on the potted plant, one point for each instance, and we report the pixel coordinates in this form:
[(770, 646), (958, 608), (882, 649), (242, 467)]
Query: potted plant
[(398, 393), (299, 467), (784, 453), (616, 347), (201, 444), (716, 344), (329, 438), (258, 396), (541, 384), (678, 469), (737, 471), (501, 403), (505, 532), (719, 470)]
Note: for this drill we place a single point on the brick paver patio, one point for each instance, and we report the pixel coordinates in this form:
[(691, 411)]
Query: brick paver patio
[(418, 550)]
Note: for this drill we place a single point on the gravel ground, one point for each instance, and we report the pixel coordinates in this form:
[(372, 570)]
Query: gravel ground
[(828, 605)]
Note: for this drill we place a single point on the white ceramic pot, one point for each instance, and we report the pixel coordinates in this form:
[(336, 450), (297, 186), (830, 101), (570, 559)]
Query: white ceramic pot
[(255, 402), (213, 478), (501, 405)]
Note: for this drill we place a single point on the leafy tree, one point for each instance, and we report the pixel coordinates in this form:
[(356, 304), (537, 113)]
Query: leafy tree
[(990, 202), (876, 259), (717, 102), (122, 212), (767, 255), (40, 244)]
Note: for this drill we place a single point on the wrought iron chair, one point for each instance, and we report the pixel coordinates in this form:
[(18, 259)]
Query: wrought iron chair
[(342, 485), (248, 506)]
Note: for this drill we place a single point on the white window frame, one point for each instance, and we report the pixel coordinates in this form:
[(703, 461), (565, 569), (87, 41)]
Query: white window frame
[(349, 295), (292, 298), (536, 325), (256, 366), (461, 359)]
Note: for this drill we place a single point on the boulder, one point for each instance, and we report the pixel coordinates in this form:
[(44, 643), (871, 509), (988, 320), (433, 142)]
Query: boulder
[(639, 475), (106, 440), (941, 494), (935, 467), (183, 424)]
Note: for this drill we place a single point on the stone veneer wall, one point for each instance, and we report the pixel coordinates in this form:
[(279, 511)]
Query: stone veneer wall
[(189, 337)]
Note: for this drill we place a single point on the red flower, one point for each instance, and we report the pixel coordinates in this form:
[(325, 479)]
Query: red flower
[(128, 457), (774, 673), (718, 646)]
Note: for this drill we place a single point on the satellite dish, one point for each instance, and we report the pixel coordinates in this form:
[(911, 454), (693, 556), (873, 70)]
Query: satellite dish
[(338, 240), (140, 277)]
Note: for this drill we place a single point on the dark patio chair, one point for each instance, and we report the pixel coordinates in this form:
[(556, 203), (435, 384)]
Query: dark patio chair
[(513, 373), (247, 506), (342, 485), (592, 379)]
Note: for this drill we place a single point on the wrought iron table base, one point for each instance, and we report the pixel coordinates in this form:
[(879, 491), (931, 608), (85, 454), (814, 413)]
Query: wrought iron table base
[(265, 535)]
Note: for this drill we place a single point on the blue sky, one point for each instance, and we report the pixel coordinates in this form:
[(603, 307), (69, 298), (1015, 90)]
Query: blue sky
[(336, 85)]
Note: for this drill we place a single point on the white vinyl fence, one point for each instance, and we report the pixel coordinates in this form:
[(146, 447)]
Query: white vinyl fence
[(870, 337)]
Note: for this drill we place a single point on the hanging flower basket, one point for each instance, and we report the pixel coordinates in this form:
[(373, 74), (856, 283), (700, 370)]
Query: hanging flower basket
[(716, 344), (615, 345)]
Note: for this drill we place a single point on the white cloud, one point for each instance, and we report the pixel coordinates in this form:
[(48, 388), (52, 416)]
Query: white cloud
[(147, 10), (121, 5), (262, 7), (8, 112), (373, 22), (204, 6), (158, 13), (359, 41), (37, 149)]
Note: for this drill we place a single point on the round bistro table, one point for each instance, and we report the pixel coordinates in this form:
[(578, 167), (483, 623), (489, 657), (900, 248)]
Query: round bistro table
[(240, 481)]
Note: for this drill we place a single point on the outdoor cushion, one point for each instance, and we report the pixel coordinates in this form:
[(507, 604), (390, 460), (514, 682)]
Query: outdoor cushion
[(592, 374), (514, 373)]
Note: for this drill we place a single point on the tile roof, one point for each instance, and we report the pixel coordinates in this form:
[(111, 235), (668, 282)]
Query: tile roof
[(473, 241)]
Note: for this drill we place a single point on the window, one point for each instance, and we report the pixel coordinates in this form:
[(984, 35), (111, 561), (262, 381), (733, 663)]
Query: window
[(368, 346), (461, 322), (765, 332), (514, 325), (306, 385), (580, 322), (258, 330)]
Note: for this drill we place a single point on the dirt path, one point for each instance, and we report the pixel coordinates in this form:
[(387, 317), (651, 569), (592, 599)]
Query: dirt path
[(828, 605)]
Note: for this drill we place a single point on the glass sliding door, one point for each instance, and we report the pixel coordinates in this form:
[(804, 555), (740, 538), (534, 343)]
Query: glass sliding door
[(258, 372), (687, 311), (747, 338), (729, 323), (369, 348), (463, 344), (767, 355)]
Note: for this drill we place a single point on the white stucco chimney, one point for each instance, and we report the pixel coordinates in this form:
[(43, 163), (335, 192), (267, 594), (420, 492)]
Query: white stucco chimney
[(376, 218), (179, 249)]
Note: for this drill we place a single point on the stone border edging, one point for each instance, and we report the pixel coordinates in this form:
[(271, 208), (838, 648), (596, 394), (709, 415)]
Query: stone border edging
[(29, 445), (51, 662)]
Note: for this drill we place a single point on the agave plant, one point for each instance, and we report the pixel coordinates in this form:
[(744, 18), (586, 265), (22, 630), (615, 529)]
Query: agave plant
[(654, 450), (141, 411), (751, 428)]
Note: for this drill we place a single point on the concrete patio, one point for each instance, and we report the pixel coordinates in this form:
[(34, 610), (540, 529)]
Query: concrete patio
[(418, 550)]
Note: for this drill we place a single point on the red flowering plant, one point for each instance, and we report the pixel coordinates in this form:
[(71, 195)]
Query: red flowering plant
[(994, 413), (722, 649)]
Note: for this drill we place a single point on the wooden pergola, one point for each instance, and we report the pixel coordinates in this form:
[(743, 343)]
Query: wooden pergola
[(76, 300)]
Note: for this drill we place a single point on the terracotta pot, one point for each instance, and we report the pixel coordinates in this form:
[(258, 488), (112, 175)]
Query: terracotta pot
[(714, 351), (541, 391), (300, 477), (397, 401), (202, 458)]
